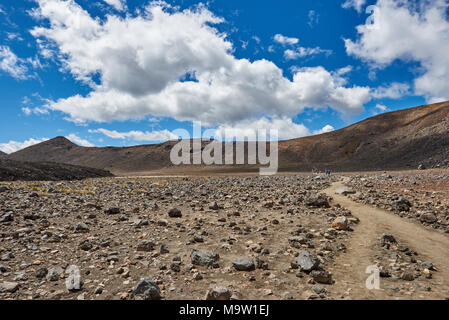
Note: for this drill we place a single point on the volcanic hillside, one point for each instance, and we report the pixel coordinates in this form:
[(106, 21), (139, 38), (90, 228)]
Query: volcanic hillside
[(396, 140)]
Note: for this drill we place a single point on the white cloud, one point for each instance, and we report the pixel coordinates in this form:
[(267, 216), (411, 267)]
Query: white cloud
[(356, 4), (13, 146), (279, 38), (248, 128), (326, 129), (79, 141), (409, 31), (381, 108), (11, 64), (162, 135), (394, 91), (314, 18), (139, 74), (119, 5), (302, 52)]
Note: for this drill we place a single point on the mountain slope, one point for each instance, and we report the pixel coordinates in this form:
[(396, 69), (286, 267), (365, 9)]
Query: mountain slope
[(2, 154), (11, 170), (395, 140)]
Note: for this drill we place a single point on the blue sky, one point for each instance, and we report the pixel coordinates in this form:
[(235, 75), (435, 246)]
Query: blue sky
[(127, 72)]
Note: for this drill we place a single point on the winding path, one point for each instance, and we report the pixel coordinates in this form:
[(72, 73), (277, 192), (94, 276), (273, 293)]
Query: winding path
[(350, 267)]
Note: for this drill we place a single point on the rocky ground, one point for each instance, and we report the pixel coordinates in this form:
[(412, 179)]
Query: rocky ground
[(421, 196), (187, 238)]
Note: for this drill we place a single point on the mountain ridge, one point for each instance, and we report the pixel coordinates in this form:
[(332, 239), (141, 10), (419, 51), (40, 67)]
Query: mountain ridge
[(395, 140)]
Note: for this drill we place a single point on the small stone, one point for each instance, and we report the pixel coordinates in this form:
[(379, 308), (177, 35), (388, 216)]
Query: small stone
[(145, 246), (81, 227), (218, 293), (112, 211), (54, 273), (175, 213), (321, 276), (341, 223), (10, 287)]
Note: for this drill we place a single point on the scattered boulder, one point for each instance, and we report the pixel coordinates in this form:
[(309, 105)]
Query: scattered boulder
[(244, 264), (146, 289), (204, 258), (305, 261)]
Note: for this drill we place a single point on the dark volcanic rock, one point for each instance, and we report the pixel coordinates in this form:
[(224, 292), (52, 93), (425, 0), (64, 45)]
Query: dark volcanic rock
[(146, 289), (204, 257), (244, 264)]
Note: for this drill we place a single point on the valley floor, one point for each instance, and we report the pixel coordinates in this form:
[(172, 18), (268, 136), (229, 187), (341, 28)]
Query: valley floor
[(292, 236)]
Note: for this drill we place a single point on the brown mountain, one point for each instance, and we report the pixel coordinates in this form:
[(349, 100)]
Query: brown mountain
[(2, 154), (395, 140)]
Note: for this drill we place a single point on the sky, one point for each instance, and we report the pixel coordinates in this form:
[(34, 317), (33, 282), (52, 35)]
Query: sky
[(129, 72)]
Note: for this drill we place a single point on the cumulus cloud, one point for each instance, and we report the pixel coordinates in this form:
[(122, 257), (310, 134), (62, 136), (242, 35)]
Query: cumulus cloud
[(411, 32), (162, 135), (356, 4), (302, 52), (279, 38), (13, 146), (11, 64), (394, 91), (79, 141), (326, 129), (119, 5), (249, 128), (144, 73)]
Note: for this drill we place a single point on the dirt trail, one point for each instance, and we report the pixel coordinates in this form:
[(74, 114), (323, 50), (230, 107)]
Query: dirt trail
[(350, 267)]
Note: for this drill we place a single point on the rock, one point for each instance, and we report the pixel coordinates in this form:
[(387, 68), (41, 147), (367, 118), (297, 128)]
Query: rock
[(145, 246), (428, 218), (54, 273), (204, 257), (244, 264), (164, 249), (175, 213), (407, 276), (402, 205), (345, 191), (81, 227), (146, 289), (7, 217), (10, 287), (427, 265), (218, 293), (86, 245), (162, 223), (41, 273), (340, 223), (305, 261), (214, 206), (386, 239), (296, 242), (197, 276), (317, 200), (421, 167), (112, 211), (320, 276)]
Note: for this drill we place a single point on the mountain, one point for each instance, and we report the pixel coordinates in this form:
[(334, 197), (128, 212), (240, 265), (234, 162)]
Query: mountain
[(11, 170), (396, 140), (2, 154)]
